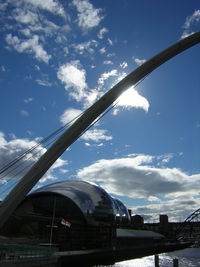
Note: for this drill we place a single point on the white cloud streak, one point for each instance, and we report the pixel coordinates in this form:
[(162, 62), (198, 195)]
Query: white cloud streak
[(190, 23), (110, 42), (43, 83)]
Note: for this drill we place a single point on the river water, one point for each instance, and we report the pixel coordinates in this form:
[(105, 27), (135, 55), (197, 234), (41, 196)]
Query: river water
[(189, 257)]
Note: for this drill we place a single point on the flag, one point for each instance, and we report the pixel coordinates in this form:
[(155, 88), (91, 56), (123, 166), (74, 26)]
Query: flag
[(65, 223)]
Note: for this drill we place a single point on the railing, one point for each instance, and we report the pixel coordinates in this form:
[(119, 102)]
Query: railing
[(15, 252)]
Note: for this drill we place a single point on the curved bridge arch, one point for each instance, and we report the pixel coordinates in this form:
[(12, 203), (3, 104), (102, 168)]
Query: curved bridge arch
[(190, 218), (18, 193)]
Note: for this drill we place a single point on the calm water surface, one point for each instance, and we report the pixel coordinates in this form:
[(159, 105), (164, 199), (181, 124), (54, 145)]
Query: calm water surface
[(189, 257)]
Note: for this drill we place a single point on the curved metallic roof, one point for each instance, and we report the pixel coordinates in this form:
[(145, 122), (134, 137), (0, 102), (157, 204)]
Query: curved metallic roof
[(122, 210), (90, 198)]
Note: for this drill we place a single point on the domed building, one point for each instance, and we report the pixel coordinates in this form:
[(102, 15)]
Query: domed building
[(71, 215)]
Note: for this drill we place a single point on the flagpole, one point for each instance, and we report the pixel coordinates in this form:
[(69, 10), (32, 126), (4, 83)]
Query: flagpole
[(52, 223)]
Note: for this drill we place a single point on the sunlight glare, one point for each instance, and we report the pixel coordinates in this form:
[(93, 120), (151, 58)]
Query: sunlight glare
[(132, 99)]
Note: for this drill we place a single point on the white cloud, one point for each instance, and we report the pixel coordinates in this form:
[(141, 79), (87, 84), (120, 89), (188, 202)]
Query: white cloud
[(3, 69), (102, 50), (123, 65), (3, 6), (30, 46), (26, 16), (111, 55), (104, 76), (9, 150), (28, 100), (96, 135), (192, 19), (177, 209), (85, 47), (87, 144), (132, 99), (34, 21), (186, 34), (49, 5), (43, 82), (24, 113), (69, 115), (90, 97), (138, 61), (190, 23), (88, 16), (74, 78), (137, 177), (110, 42), (102, 32), (108, 62)]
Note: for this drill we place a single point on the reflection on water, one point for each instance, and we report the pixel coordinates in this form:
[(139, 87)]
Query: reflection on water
[(189, 257)]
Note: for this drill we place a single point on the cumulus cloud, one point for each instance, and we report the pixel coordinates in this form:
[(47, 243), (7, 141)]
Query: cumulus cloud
[(96, 135), (74, 79), (30, 46), (88, 16), (138, 177), (9, 150), (32, 26), (190, 23), (139, 61)]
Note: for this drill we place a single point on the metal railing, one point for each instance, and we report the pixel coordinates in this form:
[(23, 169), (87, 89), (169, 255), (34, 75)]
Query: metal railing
[(15, 252)]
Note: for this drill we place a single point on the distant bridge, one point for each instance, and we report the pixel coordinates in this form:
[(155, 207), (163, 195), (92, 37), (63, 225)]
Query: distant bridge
[(191, 218)]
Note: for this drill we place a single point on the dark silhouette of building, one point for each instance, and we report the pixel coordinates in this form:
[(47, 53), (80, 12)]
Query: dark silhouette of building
[(71, 214), (137, 221)]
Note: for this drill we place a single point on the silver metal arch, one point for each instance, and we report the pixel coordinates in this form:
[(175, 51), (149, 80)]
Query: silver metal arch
[(18, 193)]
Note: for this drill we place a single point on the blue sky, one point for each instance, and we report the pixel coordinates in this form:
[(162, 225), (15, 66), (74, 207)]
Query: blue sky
[(59, 57)]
